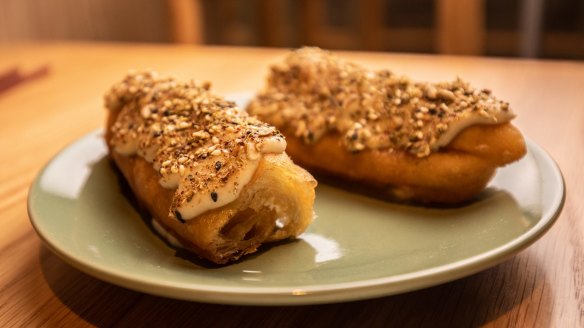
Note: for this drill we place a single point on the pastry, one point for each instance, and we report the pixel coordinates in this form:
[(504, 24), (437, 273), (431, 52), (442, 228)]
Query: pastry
[(410, 141), (216, 181)]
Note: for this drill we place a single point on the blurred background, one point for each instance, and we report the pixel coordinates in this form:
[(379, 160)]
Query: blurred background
[(517, 28)]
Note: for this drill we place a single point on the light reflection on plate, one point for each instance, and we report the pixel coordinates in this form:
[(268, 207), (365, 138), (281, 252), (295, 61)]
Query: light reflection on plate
[(326, 249), (66, 180)]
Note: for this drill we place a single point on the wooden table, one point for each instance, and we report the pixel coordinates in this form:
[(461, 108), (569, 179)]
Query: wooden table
[(542, 286)]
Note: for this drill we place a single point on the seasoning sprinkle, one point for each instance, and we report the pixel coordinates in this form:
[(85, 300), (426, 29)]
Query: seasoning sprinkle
[(314, 93), (198, 128)]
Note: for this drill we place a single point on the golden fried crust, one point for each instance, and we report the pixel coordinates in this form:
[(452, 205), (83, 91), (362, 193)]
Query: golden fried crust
[(454, 174), (222, 235)]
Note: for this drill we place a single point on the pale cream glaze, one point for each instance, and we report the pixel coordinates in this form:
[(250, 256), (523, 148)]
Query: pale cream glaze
[(226, 194), (457, 127)]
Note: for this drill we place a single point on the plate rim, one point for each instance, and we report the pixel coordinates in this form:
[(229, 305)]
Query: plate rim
[(324, 293)]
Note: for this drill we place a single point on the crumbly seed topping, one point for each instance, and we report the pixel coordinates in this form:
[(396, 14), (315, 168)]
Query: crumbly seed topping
[(313, 93), (187, 132)]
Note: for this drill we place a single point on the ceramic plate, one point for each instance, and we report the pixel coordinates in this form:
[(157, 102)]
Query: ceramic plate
[(357, 247)]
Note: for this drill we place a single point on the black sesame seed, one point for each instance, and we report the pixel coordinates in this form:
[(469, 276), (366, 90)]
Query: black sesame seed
[(432, 111), (354, 136), (157, 134), (179, 216), (214, 196), (310, 136), (218, 166)]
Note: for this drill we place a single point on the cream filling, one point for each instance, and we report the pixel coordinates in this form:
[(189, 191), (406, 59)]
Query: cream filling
[(229, 192), (221, 196), (166, 235), (224, 195), (273, 145), (455, 128), (127, 148), (149, 154), (170, 181)]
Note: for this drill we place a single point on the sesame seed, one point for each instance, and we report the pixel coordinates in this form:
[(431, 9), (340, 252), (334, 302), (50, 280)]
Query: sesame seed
[(431, 92), (178, 216), (446, 94), (184, 125), (145, 112)]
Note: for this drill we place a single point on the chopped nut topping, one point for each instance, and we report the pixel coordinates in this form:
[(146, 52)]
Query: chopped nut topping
[(198, 138), (313, 93)]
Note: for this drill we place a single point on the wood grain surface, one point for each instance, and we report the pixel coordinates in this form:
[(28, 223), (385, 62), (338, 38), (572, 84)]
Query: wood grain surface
[(543, 286)]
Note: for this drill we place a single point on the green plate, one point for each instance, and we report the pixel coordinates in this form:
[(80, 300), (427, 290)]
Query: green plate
[(357, 247)]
